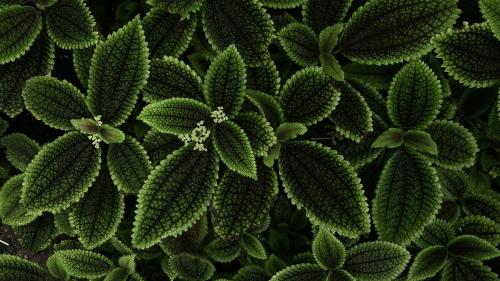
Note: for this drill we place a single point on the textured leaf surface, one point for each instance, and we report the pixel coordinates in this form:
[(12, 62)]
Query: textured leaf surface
[(170, 78), (490, 9), (253, 246), (414, 97), (19, 149), (267, 106), (96, 216), (403, 39), (282, 4), (190, 267), (300, 43), (55, 102), (481, 227), (472, 247), (250, 273), (437, 233), (19, 27), (470, 55), (377, 260), (82, 59), (16, 268), (84, 264), (128, 165), (320, 13), (407, 197), (460, 269), (37, 235), (60, 173), (240, 203), (428, 263), (244, 23), (258, 130), (377, 76), (221, 250), (308, 96), (264, 78), (317, 179), (234, 149), (184, 7), (301, 272), (12, 212), (481, 204), (119, 70), (328, 251), (70, 24), (175, 195), (455, 183), (159, 146)]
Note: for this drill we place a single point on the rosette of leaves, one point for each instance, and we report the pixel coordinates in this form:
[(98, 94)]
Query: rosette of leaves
[(66, 175), (455, 256), (27, 37), (408, 194), (367, 261)]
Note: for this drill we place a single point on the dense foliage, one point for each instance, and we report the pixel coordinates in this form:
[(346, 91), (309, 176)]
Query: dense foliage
[(249, 140)]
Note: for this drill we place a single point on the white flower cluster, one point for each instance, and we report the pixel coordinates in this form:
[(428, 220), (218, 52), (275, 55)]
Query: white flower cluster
[(95, 137), (218, 115), (199, 135)]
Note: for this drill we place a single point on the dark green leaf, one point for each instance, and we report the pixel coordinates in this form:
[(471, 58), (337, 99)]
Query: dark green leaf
[(82, 59), (300, 43), (84, 264), (250, 273), (190, 267), (379, 77), (391, 138), (455, 183), (472, 247), (19, 149), (301, 272), (184, 7), (490, 9), (267, 106), (37, 235), (328, 38), (264, 78), (461, 269), (282, 4), (19, 269), (159, 146), (258, 130), (420, 141), (320, 13), (437, 233), (482, 204), (481, 227), (428, 263), (221, 250), (12, 212), (253, 246), (328, 251)]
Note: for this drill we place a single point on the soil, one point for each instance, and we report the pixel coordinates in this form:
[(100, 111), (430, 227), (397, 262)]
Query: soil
[(8, 235)]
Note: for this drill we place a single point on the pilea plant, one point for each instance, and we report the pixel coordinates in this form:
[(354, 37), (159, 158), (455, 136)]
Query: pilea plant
[(249, 140)]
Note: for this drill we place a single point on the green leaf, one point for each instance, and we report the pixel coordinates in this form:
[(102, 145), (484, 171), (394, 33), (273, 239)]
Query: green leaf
[(95, 218), (119, 70), (470, 55), (175, 195), (317, 179), (455, 183), (184, 7), (420, 141), (240, 203), (340, 275), (221, 250), (362, 41), (19, 149), (191, 267), (39, 60), (71, 25), (472, 247), (55, 102), (37, 235), (233, 147), (407, 197), (117, 274), (159, 146), (437, 233), (264, 78), (84, 264), (308, 96), (273, 265), (12, 212), (428, 263), (251, 31), (331, 67), (482, 204), (328, 38), (379, 77), (128, 263), (110, 135), (290, 131), (175, 115), (82, 59), (461, 269), (352, 116), (373, 261), (19, 26), (56, 269), (456, 145), (328, 251), (225, 82), (170, 78), (74, 164), (258, 130), (282, 4), (3, 126), (61, 220), (490, 9), (300, 44), (253, 246), (250, 273), (167, 34), (128, 165), (267, 106), (19, 269), (415, 97), (481, 227), (391, 138), (301, 272), (320, 14)]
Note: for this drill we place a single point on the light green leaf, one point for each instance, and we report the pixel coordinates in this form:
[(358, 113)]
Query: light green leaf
[(191, 267), (71, 25), (175, 195), (362, 41), (119, 70), (415, 97), (171, 78), (251, 31), (317, 179), (253, 246), (55, 102), (159, 146), (490, 9), (117, 274), (328, 38), (110, 135), (301, 272), (184, 7), (470, 55), (331, 67), (240, 203), (391, 138), (12, 212), (456, 145), (481, 227), (290, 131), (95, 218), (461, 269), (19, 269), (282, 4), (420, 141), (300, 44), (373, 261), (19, 26), (328, 251), (437, 233), (56, 269), (264, 78), (175, 115), (258, 130), (221, 250), (128, 165), (320, 14), (233, 147), (407, 197), (37, 235), (308, 96), (84, 264), (472, 247), (19, 149), (74, 164), (428, 263), (167, 34)]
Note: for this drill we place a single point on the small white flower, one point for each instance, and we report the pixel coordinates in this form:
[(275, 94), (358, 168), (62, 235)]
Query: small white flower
[(198, 135), (95, 140), (98, 120), (218, 115)]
